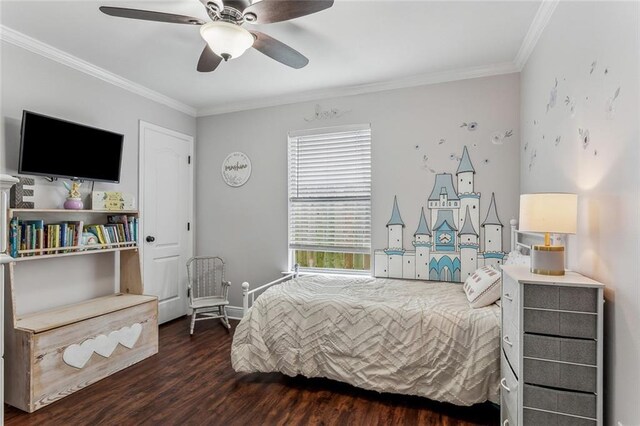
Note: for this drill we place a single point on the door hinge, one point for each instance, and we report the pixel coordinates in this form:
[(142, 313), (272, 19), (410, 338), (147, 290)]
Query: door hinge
[(188, 226), (188, 159)]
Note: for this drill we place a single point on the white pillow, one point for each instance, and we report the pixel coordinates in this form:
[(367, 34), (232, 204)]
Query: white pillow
[(516, 258), (483, 287)]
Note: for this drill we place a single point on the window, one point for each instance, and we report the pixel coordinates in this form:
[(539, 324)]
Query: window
[(330, 199)]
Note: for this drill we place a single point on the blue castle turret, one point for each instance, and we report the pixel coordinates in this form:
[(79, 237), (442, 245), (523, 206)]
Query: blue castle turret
[(422, 243), (394, 228)]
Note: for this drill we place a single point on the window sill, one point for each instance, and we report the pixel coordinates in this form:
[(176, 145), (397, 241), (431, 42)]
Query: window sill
[(334, 273)]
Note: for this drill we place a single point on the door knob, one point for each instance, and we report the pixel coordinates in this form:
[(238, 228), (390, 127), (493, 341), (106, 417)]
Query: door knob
[(150, 239)]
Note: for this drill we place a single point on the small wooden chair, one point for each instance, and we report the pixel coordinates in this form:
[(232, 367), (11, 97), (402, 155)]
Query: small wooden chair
[(208, 290)]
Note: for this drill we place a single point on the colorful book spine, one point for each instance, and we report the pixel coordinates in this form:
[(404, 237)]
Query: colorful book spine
[(105, 234), (23, 236), (40, 234), (19, 240), (79, 229), (13, 236), (27, 238), (109, 231), (122, 234), (63, 234), (48, 236), (56, 236)]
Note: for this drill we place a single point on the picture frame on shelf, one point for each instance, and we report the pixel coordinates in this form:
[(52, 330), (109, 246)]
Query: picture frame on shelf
[(112, 201)]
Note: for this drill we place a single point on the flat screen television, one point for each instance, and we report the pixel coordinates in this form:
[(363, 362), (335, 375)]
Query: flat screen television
[(59, 148)]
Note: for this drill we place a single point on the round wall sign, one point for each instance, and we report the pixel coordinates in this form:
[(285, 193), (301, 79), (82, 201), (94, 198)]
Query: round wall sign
[(236, 169)]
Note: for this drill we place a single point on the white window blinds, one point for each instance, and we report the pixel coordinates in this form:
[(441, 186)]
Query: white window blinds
[(330, 190)]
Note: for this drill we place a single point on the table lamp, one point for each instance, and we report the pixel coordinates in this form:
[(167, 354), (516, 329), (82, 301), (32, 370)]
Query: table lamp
[(550, 213)]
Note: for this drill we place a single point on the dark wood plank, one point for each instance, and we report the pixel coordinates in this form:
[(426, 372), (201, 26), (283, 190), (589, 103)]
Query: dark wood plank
[(191, 382)]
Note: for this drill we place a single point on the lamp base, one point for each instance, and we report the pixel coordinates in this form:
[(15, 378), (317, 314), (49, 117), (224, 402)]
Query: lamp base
[(547, 260)]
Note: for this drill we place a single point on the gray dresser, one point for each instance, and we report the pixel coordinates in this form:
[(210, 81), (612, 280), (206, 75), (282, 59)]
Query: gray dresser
[(551, 349)]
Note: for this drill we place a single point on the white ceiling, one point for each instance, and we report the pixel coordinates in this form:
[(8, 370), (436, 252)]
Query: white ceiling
[(353, 43)]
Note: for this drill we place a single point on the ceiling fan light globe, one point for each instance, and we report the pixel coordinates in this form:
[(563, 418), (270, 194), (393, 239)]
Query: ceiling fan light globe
[(225, 39)]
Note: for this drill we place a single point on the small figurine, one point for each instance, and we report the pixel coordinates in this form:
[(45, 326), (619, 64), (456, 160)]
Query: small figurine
[(74, 189), (74, 200)]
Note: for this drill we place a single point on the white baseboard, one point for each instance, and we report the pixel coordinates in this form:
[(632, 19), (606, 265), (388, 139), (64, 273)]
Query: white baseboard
[(234, 312)]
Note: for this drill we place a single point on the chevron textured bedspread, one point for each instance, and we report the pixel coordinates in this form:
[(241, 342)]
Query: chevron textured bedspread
[(408, 337)]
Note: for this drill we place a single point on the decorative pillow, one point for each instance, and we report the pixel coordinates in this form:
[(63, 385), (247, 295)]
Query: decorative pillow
[(516, 258), (483, 287)]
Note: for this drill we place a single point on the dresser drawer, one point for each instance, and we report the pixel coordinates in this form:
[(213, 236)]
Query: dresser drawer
[(535, 417), (560, 349), (565, 324), (566, 402), (510, 299), (559, 375), (508, 393), (564, 298), (510, 344)]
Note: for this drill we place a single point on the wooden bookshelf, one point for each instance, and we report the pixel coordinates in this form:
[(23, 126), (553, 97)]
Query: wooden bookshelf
[(77, 250), (39, 366)]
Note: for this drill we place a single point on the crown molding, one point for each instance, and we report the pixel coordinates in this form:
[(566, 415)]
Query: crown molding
[(31, 44), (539, 23), (420, 80)]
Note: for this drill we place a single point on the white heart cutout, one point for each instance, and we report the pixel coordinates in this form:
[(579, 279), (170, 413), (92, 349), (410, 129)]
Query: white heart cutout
[(128, 336), (105, 345), (78, 355)]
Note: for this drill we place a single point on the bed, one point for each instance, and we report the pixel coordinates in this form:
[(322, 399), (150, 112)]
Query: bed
[(408, 337)]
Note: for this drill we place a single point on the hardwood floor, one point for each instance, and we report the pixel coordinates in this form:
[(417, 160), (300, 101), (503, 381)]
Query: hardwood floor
[(191, 382)]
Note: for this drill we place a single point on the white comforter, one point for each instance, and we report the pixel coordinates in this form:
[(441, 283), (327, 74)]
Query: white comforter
[(408, 337)]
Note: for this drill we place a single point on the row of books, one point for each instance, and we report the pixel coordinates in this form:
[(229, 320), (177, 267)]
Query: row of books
[(26, 235)]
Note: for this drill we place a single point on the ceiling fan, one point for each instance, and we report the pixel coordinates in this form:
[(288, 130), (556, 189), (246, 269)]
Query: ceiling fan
[(226, 38)]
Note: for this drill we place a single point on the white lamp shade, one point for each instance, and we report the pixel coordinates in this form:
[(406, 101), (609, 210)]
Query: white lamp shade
[(225, 39), (552, 212)]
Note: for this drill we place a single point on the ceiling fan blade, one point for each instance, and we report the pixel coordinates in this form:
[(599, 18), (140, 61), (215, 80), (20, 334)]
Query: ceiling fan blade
[(268, 11), (279, 51), (208, 61), (148, 15)]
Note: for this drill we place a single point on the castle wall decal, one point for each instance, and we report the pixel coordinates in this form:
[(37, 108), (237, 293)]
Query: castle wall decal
[(451, 249)]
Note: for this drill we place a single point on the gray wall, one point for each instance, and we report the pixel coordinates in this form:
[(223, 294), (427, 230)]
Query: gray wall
[(604, 174), (247, 226), (31, 82)]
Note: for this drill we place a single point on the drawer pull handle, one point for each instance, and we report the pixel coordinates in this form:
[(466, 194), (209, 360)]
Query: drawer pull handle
[(510, 299), (507, 341), (503, 383), (505, 423)]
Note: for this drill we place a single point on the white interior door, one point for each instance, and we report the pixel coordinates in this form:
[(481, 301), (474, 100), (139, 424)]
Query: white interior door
[(167, 207)]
